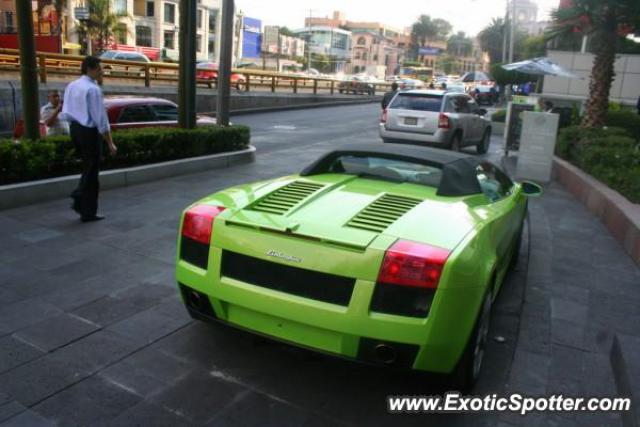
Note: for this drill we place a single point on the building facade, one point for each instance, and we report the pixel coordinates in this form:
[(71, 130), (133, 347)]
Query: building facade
[(156, 24), (327, 44)]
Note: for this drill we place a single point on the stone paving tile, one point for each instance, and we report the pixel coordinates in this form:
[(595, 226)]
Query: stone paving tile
[(28, 418), (87, 402), (257, 409), (56, 332), (147, 372), (146, 414), (198, 396), (149, 325), (22, 314), (14, 353), (10, 409)]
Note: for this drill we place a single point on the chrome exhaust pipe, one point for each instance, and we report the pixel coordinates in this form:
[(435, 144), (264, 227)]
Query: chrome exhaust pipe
[(196, 300)]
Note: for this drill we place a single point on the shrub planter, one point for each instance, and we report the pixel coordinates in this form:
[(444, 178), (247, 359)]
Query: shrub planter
[(15, 195), (621, 217)]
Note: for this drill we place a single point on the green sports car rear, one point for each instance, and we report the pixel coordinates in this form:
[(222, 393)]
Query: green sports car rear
[(390, 257)]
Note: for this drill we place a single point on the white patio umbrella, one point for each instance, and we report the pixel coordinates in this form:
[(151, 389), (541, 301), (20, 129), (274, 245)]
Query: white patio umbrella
[(540, 67)]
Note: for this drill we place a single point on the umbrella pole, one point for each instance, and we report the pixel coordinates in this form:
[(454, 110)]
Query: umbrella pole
[(539, 84)]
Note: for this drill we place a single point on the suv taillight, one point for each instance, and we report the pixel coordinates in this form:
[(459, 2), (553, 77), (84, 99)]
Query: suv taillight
[(383, 118), (443, 121), (413, 264), (198, 222)]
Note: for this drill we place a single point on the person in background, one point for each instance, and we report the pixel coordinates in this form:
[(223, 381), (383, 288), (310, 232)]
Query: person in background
[(50, 115), (89, 126), (388, 96)]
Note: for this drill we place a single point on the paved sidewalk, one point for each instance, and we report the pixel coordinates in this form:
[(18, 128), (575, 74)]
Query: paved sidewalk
[(92, 329)]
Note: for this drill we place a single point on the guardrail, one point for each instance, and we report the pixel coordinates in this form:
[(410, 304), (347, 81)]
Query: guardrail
[(69, 65)]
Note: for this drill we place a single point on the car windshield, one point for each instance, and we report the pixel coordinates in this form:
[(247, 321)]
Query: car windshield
[(417, 102), (387, 169)]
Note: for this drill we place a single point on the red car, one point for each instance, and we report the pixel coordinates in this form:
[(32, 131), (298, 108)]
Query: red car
[(126, 112), (209, 71)]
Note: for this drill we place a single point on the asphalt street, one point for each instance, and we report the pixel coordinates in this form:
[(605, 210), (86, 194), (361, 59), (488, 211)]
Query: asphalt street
[(92, 331)]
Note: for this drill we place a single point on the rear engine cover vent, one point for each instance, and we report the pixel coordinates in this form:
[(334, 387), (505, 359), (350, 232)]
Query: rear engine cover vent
[(383, 212), (282, 200)]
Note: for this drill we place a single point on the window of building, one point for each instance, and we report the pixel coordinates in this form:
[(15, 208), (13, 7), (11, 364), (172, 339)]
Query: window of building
[(362, 41), (357, 55), (121, 33), (356, 69), (169, 39), (364, 56), (199, 18), (212, 49), (375, 57), (143, 36), (199, 43), (151, 8), (170, 13), (213, 16), (120, 7)]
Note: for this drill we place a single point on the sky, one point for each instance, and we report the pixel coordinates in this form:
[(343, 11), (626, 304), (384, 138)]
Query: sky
[(469, 16)]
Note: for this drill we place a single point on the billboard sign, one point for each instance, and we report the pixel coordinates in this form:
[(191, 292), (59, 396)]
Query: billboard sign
[(429, 51)]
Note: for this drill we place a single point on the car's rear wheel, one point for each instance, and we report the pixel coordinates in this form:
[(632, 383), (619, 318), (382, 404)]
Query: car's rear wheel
[(483, 145), (470, 365), (456, 142)]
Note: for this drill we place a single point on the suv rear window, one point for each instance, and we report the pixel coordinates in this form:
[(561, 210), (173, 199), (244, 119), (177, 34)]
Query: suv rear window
[(417, 102)]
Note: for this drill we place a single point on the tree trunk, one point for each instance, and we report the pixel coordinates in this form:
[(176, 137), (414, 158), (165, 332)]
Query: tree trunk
[(602, 75)]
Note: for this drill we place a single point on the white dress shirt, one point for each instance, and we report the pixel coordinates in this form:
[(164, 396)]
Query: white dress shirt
[(83, 103)]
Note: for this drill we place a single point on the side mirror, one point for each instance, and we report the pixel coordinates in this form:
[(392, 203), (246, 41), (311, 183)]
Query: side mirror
[(531, 189), (481, 111)]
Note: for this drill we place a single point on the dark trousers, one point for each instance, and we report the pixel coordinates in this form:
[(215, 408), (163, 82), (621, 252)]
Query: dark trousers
[(88, 143)]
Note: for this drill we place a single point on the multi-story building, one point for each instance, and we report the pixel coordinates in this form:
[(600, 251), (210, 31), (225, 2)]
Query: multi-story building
[(391, 43), (332, 44), (156, 24), (526, 12)]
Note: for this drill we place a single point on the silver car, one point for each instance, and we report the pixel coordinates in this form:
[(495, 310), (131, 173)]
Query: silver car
[(437, 118)]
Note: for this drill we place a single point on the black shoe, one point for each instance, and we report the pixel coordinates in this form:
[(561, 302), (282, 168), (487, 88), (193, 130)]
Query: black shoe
[(92, 218)]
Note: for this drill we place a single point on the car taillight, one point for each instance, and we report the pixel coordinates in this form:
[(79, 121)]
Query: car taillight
[(198, 222), (413, 264), (383, 118), (443, 121)]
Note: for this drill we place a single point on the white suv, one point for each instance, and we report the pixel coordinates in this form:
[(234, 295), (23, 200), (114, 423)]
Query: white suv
[(437, 118)]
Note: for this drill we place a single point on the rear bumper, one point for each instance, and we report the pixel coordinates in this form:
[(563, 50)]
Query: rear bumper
[(434, 343), (439, 138)]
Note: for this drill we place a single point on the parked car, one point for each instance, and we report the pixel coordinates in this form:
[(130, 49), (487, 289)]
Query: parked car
[(438, 118), (126, 112), (108, 69), (456, 87), (386, 255), (485, 95), (356, 85), (410, 84), (209, 71)]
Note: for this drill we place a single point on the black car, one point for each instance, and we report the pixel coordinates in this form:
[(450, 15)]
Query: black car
[(356, 85)]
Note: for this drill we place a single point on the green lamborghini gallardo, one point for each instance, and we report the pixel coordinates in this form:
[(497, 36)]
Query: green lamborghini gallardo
[(386, 255)]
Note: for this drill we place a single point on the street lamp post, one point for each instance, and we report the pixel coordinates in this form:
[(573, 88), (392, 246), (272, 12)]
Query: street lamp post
[(187, 71), (224, 67), (28, 70)]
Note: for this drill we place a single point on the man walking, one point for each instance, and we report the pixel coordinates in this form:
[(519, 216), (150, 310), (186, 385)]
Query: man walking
[(84, 108), (388, 96)]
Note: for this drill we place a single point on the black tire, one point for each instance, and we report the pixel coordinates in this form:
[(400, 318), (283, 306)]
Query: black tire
[(483, 145), (456, 142), (470, 364)]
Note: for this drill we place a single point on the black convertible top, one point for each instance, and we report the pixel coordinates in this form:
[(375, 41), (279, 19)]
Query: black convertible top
[(459, 171)]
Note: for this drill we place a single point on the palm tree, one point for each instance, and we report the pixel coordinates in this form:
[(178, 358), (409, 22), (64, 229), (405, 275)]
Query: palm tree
[(606, 22), (491, 38), (102, 24), (459, 44), (425, 30)]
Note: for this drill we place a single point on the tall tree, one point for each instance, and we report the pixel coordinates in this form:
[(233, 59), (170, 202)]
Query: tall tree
[(605, 21), (491, 38), (426, 30), (459, 44), (102, 25)]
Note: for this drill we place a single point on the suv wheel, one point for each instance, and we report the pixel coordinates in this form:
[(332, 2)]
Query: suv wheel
[(456, 142), (483, 145)]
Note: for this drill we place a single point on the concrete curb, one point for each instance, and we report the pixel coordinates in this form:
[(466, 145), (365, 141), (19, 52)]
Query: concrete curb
[(623, 380), (16, 195), (620, 216)]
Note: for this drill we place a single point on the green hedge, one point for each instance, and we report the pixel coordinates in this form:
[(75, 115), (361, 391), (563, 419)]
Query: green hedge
[(611, 155), (625, 119), (55, 156), (499, 116)]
